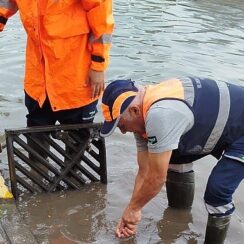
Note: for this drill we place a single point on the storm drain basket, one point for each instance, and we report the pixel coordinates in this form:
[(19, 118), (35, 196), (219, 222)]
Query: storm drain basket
[(51, 158)]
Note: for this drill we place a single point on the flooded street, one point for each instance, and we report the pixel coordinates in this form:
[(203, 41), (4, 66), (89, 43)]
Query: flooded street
[(153, 40)]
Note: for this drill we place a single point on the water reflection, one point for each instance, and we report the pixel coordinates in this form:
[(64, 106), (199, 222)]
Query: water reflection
[(174, 227)]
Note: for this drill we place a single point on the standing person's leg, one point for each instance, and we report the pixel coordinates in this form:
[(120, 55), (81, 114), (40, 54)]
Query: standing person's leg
[(38, 117), (222, 183), (84, 114), (81, 115)]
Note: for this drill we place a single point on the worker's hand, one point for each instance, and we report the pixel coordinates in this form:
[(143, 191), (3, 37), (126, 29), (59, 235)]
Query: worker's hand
[(127, 225), (96, 80)]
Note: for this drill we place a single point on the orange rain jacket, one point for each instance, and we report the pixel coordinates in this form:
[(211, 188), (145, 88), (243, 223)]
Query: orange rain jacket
[(65, 38)]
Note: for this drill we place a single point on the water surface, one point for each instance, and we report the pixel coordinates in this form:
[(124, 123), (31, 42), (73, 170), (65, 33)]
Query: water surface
[(153, 40)]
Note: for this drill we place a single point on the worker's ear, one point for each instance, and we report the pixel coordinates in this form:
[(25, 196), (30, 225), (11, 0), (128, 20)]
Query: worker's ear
[(134, 110)]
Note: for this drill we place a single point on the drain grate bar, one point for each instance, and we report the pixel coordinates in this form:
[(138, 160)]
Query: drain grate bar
[(51, 158)]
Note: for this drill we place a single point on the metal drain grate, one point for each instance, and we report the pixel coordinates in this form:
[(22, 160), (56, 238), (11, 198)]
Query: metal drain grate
[(50, 158)]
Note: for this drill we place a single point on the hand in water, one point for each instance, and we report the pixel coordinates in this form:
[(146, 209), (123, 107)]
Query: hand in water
[(127, 225)]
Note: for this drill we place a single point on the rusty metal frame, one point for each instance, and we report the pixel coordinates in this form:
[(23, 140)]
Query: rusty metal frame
[(59, 169)]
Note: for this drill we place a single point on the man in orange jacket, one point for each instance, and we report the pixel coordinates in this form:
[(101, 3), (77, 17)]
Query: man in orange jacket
[(67, 52)]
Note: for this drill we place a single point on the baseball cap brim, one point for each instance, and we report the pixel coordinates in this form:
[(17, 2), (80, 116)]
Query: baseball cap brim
[(109, 127)]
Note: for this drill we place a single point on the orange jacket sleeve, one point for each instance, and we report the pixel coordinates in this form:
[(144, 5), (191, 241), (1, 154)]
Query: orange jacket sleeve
[(7, 9), (101, 23)]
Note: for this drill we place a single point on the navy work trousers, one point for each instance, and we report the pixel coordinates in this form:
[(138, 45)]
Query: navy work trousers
[(45, 116)]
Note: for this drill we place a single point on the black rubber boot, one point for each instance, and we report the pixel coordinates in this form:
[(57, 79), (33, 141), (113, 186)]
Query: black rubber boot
[(216, 229), (34, 160), (40, 138), (81, 137), (180, 189)]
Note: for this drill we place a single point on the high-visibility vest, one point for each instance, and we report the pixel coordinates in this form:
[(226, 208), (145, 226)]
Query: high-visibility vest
[(217, 108), (64, 40)]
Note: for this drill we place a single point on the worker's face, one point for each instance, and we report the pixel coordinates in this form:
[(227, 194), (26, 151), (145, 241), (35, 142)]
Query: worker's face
[(131, 121)]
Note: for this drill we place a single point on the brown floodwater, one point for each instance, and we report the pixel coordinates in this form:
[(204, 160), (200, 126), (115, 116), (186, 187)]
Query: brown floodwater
[(90, 215), (153, 40)]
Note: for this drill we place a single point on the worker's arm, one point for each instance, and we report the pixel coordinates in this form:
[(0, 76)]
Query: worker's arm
[(142, 159), (147, 186), (101, 22), (7, 9)]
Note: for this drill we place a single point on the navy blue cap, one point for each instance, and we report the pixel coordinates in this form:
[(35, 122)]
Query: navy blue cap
[(116, 98)]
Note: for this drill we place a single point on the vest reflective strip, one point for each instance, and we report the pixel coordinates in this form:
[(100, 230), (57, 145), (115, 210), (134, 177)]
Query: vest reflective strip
[(189, 92), (104, 39), (8, 5), (220, 209), (233, 157), (223, 115)]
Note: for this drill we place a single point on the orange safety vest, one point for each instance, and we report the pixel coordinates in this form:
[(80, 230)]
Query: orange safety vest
[(65, 38), (172, 89), (168, 89), (217, 110)]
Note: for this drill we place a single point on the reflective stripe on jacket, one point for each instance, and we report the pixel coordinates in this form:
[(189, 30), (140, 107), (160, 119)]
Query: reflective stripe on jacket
[(217, 108), (65, 38)]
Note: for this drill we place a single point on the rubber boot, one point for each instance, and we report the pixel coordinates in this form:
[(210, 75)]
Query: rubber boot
[(81, 138), (180, 189), (34, 160), (216, 229)]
